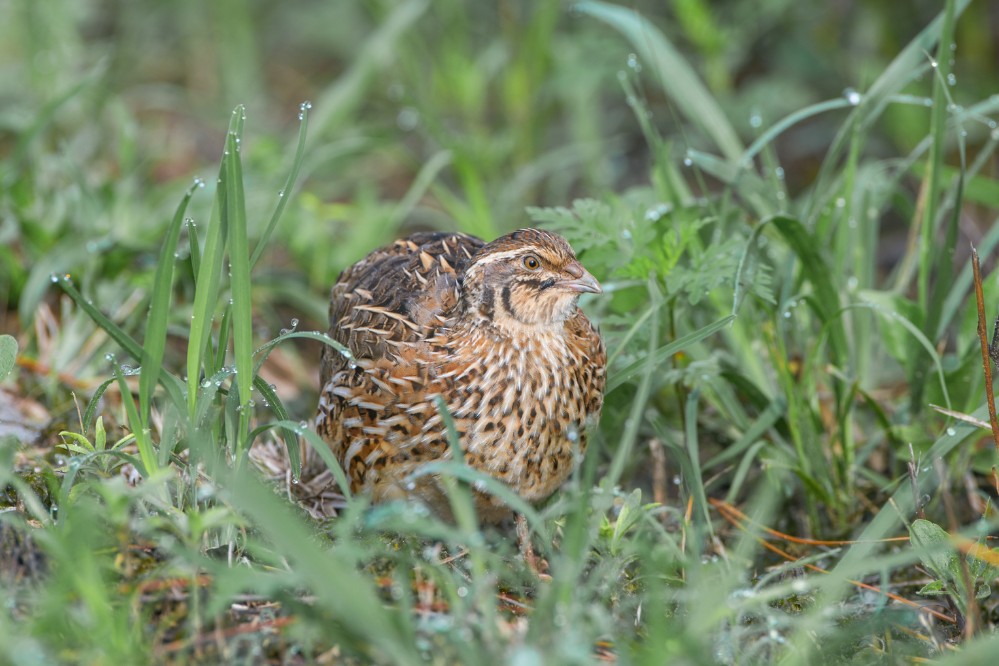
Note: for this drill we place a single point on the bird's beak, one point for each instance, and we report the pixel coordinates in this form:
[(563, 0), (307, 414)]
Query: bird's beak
[(581, 280)]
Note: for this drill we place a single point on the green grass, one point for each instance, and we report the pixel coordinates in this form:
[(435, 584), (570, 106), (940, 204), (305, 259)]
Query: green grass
[(778, 217)]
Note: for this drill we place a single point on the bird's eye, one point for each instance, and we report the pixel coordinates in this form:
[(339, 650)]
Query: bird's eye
[(532, 263)]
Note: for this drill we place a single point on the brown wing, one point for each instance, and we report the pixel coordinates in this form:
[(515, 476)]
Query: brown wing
[(394, 294)]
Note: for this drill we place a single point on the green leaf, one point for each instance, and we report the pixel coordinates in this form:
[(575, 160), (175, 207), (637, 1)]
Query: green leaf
[(630, 513), (8, 354), (933, 546), (932, 588)]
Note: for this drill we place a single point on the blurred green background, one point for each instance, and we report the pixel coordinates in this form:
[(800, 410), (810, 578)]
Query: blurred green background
[(443, 114)]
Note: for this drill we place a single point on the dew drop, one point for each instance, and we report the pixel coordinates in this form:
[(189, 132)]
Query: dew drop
[(54, 278), (633, 63), (755, 120), (951, 80), (657, 212), (951, 432), (852, 96), (294, 323)]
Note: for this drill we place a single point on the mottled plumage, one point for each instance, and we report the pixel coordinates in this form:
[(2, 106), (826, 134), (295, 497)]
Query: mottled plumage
[(493, 329)]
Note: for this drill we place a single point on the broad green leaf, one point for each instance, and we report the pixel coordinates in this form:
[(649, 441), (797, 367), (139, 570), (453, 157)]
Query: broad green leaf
[(933, 546)]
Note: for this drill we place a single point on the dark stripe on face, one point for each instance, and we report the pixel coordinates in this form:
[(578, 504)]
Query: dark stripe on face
[(488, 307), (540, 285), (507, 303)]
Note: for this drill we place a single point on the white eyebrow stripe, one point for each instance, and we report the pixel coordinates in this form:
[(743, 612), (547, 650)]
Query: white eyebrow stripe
[(498, 256)]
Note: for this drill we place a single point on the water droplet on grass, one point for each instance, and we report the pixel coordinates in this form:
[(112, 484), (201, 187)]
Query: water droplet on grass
[(852, 96), (633, 63)]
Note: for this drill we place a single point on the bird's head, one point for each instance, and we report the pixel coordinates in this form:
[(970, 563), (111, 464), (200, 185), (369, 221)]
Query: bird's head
[(528, 278)]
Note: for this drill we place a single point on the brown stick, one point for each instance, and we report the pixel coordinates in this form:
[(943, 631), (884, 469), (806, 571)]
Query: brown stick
[(983, 338)]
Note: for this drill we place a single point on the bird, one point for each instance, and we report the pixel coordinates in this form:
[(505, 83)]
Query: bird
[(492, 333)]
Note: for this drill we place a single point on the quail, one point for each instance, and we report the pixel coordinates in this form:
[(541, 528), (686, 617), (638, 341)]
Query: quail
[(490, 330)]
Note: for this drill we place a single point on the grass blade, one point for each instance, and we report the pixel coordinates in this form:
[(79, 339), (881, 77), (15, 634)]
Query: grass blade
[(154, 342), (655, 358), (125, 341), (909, 63), (676, 76), (826, 300), (147, 455), (285, 194), (206, 292), (239, 267)]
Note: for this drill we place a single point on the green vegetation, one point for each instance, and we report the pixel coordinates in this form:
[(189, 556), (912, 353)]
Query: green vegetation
[(777, 198)]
